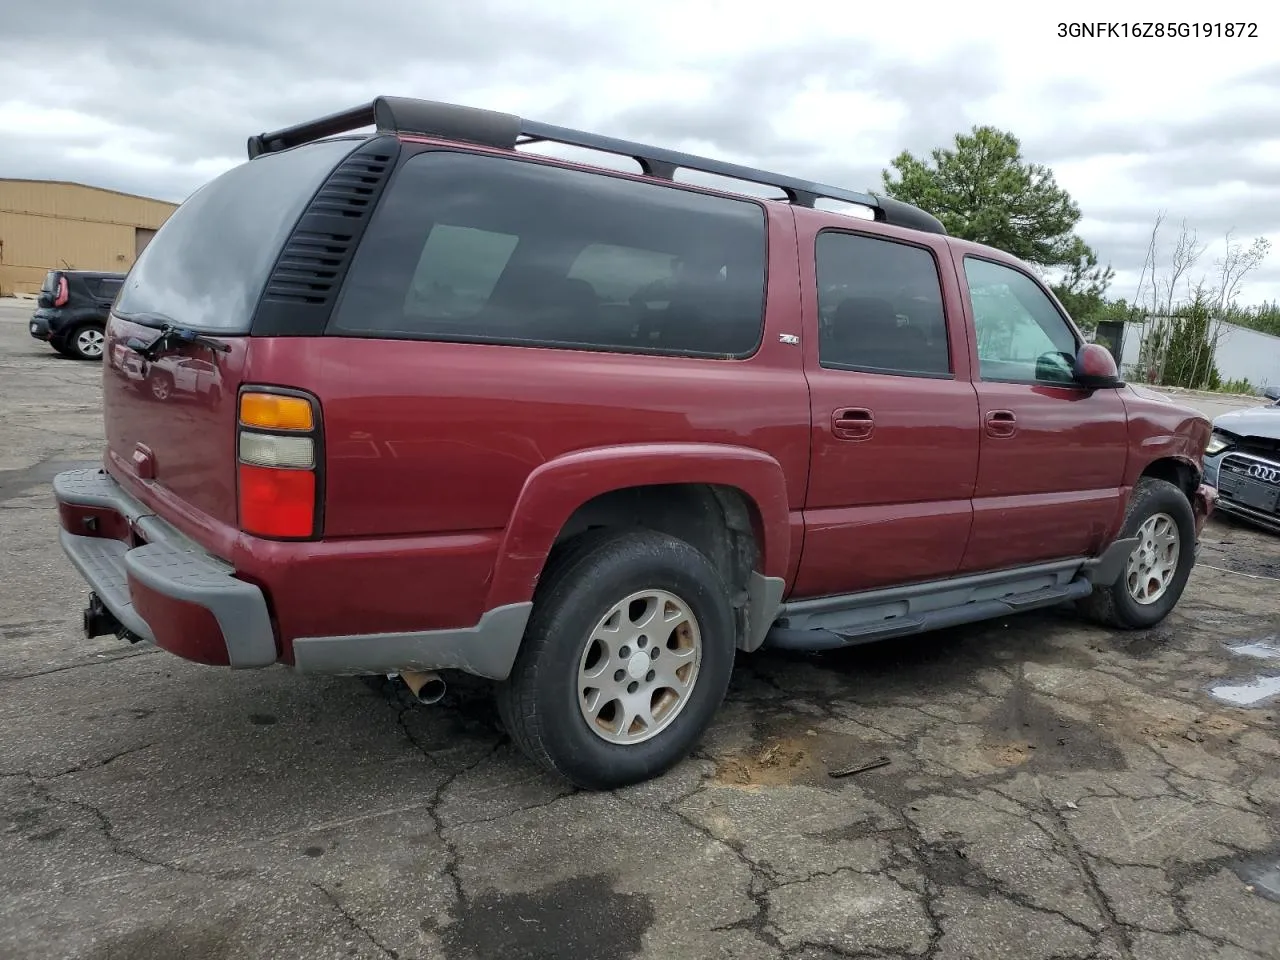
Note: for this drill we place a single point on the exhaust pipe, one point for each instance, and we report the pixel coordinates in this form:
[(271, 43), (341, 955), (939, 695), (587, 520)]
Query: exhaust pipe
[(427, 687)]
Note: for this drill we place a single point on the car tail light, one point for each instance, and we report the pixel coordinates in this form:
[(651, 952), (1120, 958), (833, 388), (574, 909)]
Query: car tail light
[(63, 296), (278, 454)]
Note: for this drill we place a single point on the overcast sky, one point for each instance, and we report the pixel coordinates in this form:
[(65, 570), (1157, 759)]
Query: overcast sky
[(157, 96)]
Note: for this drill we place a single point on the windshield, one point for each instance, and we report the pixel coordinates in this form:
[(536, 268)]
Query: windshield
[(207, 265)]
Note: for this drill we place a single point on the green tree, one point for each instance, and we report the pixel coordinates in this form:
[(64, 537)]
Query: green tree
[(1083, 288), (984, 190)]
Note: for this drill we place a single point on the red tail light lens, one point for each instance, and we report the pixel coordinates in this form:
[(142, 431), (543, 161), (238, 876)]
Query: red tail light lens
[(63, 296), (276, 502), (277, 443)]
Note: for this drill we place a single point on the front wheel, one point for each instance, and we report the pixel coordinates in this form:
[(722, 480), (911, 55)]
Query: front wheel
[(1157, 570), (627, 656)]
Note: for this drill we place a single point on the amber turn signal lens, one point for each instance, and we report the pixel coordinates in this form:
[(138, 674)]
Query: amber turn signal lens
[(271, 411)]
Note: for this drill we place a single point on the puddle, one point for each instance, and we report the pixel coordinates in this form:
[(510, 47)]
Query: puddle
[(1247, 694), (1262, 876), (1268, 648)]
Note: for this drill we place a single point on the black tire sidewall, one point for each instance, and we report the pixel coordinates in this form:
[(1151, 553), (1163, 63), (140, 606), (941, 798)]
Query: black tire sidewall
[(1152, 497), (603, 577)]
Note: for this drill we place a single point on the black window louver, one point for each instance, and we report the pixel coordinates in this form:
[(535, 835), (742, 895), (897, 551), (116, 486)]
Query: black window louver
[(304, 283)]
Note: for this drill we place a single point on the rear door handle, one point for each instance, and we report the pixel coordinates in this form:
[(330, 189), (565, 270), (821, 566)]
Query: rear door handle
[(853, 423), (1001, 423)]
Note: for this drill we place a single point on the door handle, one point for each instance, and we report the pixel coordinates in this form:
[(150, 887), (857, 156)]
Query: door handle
[(1001, 423), (853, 423)]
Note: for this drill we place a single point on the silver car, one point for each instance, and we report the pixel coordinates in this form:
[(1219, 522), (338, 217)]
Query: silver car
[(1243, 461)]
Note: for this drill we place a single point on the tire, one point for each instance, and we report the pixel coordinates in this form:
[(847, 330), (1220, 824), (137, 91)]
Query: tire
[(1116, 605), (86, 342), (541, 704), (63, 348), (160, 385)]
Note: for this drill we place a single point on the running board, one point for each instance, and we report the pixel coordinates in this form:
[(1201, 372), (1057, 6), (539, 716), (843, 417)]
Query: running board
[(833, 622)]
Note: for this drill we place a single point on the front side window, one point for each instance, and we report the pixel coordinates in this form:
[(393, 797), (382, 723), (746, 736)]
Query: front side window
[(1022, 338), (477, 248), (880, 307)]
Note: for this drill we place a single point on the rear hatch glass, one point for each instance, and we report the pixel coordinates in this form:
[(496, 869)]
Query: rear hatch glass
[(170, 422), (206, 267)]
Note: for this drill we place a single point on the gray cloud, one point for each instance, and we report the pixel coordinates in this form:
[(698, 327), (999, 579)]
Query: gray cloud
[(187, 84)]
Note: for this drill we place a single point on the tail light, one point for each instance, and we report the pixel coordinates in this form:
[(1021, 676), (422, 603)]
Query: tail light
[(278, 454), (63, 295)]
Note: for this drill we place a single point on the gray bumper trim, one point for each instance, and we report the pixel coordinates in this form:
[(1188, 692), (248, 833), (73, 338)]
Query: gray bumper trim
[(169, 564), (486, 650)]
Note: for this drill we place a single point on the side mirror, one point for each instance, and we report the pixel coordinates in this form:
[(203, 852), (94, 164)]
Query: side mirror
[(1272, 392), (1096, 368)]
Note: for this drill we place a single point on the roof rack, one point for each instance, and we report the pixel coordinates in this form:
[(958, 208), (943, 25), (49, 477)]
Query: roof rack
[(407, 115)]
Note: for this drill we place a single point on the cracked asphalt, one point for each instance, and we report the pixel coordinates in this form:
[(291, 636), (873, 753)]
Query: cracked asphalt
[(1053, 790)]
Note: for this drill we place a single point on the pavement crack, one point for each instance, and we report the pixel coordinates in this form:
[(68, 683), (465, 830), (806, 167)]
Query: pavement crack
[(1114, 928), (118, 846), (15, 677), (453, 859), (763, 881), (96, 764), (511, 813), (354, 923)]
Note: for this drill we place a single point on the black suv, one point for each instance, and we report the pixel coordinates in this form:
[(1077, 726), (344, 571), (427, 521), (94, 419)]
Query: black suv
[(72, 311)]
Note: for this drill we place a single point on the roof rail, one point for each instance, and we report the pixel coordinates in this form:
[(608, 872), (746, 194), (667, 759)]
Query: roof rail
[(407, 115)]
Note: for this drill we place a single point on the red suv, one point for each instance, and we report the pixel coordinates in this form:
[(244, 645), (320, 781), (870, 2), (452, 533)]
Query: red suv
[(588, 433)]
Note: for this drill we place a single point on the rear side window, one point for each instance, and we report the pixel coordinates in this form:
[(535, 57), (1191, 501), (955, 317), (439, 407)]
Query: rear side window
[(485, 249), (880, 307), (207, 265), (107, 289)]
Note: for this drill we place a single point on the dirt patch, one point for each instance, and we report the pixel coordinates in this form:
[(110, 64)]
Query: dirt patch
[(1024, 729), (779, 761)]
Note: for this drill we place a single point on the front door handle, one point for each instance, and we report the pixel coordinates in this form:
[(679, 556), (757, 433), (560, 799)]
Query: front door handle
[(1001, 423), (853, 423)]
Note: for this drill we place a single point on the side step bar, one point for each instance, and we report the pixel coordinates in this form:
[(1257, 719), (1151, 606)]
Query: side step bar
[(828, 623), (840, 635)]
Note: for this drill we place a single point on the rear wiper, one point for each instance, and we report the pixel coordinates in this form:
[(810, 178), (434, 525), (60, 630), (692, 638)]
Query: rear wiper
[(171, 335)]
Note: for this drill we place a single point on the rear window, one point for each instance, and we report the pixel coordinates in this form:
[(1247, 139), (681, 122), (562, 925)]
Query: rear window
[(485, 249), (50, 281), (207, 265)]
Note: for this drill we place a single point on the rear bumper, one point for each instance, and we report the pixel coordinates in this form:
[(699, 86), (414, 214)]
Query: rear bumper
[(157, 583), (39, 328), (171, 592)]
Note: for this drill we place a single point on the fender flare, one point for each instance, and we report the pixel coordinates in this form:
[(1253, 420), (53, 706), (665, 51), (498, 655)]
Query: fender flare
[(557, 488)]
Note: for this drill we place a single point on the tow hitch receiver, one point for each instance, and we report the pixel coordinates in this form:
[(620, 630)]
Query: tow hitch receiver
[(98, 620)]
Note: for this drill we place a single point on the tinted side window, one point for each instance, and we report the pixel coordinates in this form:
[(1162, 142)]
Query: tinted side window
[(1021, 335), (107, 289), (880, 307), (485, 249)]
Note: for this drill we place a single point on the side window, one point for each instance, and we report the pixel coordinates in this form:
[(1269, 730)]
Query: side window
[(107, 289), (1021, 335), (477, 248), (457, 271), (880, 307)]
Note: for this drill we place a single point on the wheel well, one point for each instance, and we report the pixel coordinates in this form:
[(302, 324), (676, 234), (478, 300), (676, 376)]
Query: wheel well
[(1181, 475), (720, 521)]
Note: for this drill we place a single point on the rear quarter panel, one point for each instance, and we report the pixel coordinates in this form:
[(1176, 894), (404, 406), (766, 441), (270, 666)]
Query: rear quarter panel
[(428, 442)]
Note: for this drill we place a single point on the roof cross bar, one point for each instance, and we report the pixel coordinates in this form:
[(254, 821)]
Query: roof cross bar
[(406, 115)]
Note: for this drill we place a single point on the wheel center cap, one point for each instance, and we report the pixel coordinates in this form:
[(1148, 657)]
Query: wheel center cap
[(638, 665)]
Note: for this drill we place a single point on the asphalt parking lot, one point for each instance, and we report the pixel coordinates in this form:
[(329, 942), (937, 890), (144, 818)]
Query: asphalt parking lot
[(1052, 790)]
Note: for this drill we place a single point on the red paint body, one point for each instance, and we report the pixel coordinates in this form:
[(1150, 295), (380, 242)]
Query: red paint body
[(449, 469)]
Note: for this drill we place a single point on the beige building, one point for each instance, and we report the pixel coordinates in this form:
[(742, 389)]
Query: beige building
[(47, 223)]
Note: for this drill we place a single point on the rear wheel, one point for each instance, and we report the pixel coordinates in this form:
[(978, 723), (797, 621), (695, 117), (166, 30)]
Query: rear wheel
[(1156, 572), (86, 342), (627, 656)]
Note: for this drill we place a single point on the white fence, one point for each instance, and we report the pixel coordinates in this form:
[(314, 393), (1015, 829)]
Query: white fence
[(1242, 354)]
